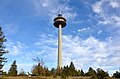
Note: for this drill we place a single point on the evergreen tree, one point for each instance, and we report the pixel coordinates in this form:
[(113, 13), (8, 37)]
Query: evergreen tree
[(2, 50), (65, 72), (91, 72), (101, 73), (78, 73), (53, 71), (13, 69), (82, 73), (72, 70), (116, 74)]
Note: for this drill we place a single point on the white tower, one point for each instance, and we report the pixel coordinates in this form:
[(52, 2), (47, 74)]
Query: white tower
[(60, 22)]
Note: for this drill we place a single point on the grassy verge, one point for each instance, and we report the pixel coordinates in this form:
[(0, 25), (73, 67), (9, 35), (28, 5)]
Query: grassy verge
[(38, 77)]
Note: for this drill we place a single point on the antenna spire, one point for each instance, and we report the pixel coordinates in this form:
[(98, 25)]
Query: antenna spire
[(59, 13)]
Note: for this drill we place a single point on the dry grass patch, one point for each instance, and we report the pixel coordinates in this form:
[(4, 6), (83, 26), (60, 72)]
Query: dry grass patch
[(38, 77)]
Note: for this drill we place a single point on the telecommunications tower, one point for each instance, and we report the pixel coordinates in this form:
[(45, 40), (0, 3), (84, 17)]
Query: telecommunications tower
[(59, 22)]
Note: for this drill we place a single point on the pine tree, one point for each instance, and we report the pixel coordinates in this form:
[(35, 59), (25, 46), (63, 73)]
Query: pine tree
[(13, 69), (2, 50), (82, 73), (91, 72), (72, 70), (116, 74), (78, 73), (65, 72), (53, 71), (101, 73)]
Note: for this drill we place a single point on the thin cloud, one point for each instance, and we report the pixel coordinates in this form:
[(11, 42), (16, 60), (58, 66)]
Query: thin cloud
[(83, 29), (15, 48), (10, 29), (99, 32), (83, 52), (52, 8), (114, 4), (105, 14)]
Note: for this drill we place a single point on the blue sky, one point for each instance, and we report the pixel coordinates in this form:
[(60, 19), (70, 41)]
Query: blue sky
[(90, 39)]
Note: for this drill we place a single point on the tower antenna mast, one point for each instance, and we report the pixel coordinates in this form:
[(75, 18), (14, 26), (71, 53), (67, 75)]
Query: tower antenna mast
[(59, 22)]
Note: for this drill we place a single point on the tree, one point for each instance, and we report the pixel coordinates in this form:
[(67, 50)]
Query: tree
[(91, 72), (101, 73), (2, 50), (72, 70), (53, 71), (82, 73), (65, 72), (78, 73), (4, 73), (38, 60), (13, 70), (69, 71), (39, 69), (46, 72), (116, 74)]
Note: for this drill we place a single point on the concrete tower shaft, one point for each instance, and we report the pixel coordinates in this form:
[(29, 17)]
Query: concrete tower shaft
[(59, 22), (60, 46)]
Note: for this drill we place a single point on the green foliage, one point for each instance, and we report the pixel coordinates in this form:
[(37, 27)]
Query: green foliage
[(65, 72), (47, 72), (101, 73), (13, 70), (82, 73), (69, 71), (91, 72), (94, 77), (78, 73), (116, 74), (4, 73), (53, 71), (72, 71), (2, 50), (39, 70)]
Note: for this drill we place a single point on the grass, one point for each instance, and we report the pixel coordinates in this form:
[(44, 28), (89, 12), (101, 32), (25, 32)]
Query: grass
[(26, 77), (38, 77)]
